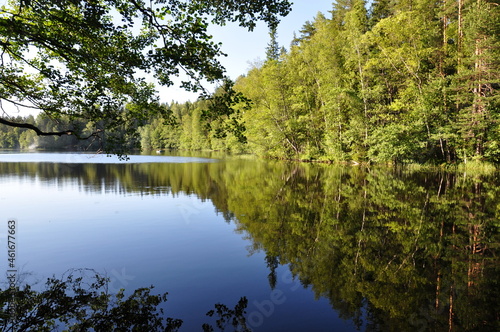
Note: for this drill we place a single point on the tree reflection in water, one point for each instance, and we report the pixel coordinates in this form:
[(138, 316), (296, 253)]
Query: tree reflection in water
[(391, 249)]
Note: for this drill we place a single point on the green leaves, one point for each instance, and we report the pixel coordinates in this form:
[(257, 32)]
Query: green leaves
[(245, 12), (406, 82), (85, 59)]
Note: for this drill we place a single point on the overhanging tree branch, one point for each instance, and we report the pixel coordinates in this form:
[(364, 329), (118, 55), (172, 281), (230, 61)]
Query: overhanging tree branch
[(39, 132), (84, 59)]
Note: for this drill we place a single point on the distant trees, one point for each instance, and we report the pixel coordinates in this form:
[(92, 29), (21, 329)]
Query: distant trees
[(24, 138)]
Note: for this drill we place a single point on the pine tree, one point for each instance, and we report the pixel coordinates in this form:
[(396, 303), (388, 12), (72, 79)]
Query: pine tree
[(273, 48)]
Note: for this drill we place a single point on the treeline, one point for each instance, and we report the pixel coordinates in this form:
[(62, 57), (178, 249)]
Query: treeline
[(184, 127), (187, 127), (22, 138), (402, 81)]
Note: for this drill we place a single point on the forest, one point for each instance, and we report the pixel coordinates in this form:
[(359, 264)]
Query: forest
[(407, 81)]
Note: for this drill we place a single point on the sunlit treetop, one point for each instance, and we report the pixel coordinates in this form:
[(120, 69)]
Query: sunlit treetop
[(88, 59)]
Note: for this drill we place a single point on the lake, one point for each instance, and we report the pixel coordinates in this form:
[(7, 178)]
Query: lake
[(312, 247)]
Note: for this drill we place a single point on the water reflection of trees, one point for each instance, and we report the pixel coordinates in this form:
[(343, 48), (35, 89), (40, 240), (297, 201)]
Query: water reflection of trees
[(412, 250), (404, 250), (80, 300)]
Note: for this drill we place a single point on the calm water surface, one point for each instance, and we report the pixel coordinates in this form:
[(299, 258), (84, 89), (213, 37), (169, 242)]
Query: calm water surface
[(312, 247)]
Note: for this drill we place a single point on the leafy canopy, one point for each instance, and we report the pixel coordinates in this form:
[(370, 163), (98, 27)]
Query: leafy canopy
[(86, 59)]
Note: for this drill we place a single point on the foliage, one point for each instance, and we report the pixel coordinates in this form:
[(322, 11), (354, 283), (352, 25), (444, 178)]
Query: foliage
[(23, 138), (402, 82), (86, 60), (399, 82)]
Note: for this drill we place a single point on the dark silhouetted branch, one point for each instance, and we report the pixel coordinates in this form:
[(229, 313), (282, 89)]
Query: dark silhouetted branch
[(39, 132)]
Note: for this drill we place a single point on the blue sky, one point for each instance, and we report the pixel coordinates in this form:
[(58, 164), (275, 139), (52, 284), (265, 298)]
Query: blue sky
[(243, 47)]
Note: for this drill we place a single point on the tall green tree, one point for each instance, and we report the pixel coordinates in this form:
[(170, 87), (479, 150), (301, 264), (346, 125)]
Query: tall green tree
[(477, 80), (273, 48)]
